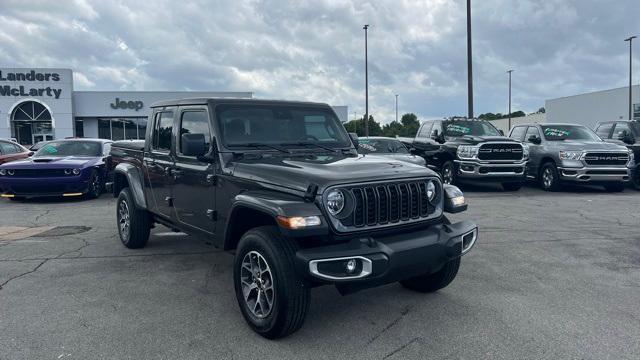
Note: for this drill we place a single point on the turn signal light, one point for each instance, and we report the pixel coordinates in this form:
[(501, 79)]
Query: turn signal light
[(297, 222)]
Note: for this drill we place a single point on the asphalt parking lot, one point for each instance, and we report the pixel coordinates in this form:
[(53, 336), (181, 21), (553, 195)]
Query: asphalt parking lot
[(553, 275)]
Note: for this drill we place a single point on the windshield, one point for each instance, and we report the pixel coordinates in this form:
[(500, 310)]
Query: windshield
[(381, 146), (70, 148), (244, 125), (568, 132), (469, 127)]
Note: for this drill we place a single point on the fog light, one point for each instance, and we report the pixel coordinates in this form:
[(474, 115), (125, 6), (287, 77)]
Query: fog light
[(351, 266)]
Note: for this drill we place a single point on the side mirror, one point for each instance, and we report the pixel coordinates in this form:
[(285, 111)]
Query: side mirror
[(435, 135), (626, 137), (454, 201), (30, 153), (534, 139), (354, 139), (501, 132), (193, 145)]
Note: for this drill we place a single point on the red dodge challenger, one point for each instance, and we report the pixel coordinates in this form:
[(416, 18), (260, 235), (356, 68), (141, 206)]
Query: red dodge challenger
[(10, 151)]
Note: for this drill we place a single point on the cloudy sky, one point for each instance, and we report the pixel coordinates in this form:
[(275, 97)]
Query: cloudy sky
[(314, 50)]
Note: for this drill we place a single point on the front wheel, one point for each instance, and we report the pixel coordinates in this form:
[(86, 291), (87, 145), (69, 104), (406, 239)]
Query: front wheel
[(549, 177), (436, 281), (273, 297), (448, 172), (95, 185), (133, 224)]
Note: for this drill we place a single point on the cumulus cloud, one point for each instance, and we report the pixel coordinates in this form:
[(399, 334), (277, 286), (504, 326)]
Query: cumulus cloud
[(314, 50)]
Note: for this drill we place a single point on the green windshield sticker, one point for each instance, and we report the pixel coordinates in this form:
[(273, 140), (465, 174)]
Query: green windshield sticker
[(458, 129), (556, 132), (50, 149)]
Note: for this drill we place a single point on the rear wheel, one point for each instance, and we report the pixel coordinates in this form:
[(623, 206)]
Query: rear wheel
[(436, 281), (549, 178), (511, 186), (614, 187), (273, 297), (133, 224), (448, 172)]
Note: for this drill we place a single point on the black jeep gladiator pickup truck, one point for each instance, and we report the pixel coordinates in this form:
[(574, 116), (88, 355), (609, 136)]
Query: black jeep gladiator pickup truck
[(281, 185), (472, 150)]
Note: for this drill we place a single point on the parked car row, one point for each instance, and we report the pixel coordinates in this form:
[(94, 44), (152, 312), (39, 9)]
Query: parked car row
[(471, 150)]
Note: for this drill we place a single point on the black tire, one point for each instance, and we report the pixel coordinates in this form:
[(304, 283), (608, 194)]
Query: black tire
[(511, 186), (290, 292), (448, 172), (433, 282), (94, 189), (614, 187), (552, 183), (139, 221)]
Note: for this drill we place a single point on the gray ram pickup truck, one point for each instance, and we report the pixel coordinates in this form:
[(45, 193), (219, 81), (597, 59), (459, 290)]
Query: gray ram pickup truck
[(563, 153), (280, 184)]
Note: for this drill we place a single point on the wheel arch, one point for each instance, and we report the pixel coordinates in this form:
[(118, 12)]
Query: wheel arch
[(127, 175)]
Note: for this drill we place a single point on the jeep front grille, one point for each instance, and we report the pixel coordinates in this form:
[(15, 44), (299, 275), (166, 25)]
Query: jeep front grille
[(385, 204), (605, 158), (500, 151)]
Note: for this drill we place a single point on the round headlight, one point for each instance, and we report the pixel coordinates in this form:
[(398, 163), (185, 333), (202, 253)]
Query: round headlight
[(3, 172), (67, 171), (11, 172), (431, 190), (335, 202), (76, 171)]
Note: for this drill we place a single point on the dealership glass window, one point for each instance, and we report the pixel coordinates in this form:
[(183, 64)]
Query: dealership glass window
[(130, 129), (104, 128), (117, 129), (79, 128), (142, 127)]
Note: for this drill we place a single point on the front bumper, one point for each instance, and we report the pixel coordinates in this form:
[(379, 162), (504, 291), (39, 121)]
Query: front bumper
[(595, 174), (390, 258), (41, 187), (490, 171)]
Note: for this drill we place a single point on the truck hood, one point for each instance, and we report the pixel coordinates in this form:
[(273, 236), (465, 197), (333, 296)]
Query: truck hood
[(53, 162), (574, 145), (298, 172), (473, 140)]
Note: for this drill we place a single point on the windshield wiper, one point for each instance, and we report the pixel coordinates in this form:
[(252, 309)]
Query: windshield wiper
[(256, 145), (306, 143)]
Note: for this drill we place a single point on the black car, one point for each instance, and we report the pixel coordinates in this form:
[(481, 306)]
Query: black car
[(624, 132), (281, 185), (389, 148), (472, 150)]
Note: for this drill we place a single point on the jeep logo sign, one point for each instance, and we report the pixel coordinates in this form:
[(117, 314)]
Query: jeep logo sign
[(133, 105)]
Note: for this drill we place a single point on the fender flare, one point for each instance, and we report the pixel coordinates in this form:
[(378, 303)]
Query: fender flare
[(135, 181), (275, 204)]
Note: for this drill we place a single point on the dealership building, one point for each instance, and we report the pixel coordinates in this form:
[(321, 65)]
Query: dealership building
[(41, 104)]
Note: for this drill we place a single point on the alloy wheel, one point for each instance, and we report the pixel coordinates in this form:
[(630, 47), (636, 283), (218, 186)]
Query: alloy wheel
[(257, 284), (124, 221), (447, 175), (547, 178), (95, 185)]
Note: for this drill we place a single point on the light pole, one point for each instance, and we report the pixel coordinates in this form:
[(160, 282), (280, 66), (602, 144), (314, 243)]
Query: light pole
[(630, 40), (396, 107), (509, 71), (366, 83), (469, 65)]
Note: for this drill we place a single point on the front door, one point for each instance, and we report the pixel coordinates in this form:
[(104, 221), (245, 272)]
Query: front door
[(158, 162), (193, 188)]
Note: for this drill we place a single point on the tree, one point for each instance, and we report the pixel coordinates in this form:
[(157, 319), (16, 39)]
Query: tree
[(410, 125), (357, 126)]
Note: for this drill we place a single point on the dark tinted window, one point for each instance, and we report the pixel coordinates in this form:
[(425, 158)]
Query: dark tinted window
[(70, 148), (518, 133), (104, 129), (117, 129), (381, 146), (532, 130), (79, 128), (604, 130), (162, 129), (195, 122)]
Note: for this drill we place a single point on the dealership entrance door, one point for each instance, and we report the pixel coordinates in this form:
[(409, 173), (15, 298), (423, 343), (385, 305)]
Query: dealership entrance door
[(31, 122)]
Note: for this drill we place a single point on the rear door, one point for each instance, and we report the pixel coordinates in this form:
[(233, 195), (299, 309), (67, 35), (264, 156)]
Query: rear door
[(536, 151), (193, 188), (158, 162)]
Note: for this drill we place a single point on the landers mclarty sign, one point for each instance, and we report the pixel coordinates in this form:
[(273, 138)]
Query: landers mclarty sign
[(31, 76)]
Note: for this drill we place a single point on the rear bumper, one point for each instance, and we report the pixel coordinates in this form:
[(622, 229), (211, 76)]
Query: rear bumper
[(390, 258), (595, 174), (487, 171), (43, 187)]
